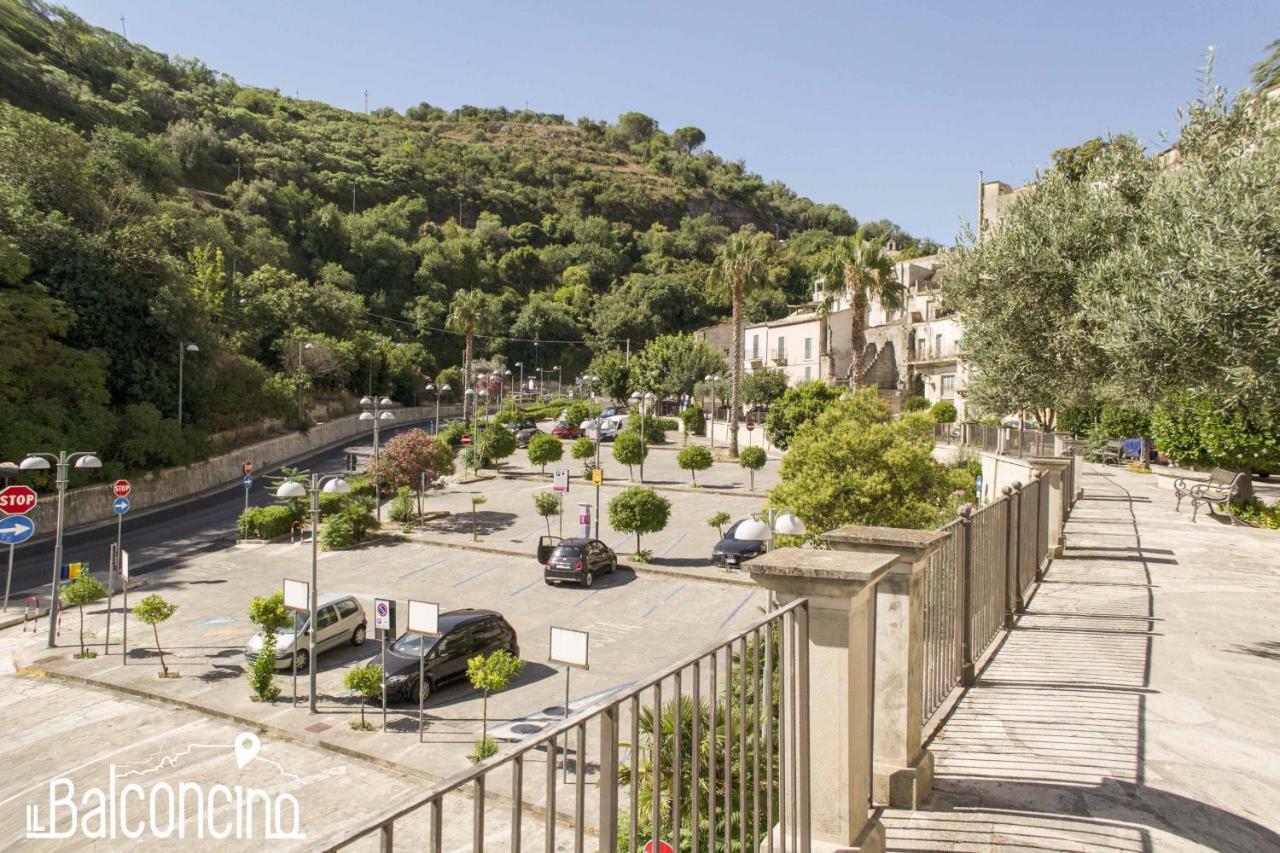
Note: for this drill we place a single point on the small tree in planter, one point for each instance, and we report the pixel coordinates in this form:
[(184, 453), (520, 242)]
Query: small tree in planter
[(753, 459), (718, 521), (544, 448), (639, 510), (629, 450), (694, 459), (498, 444), (153, 610), (83, 590), (268, 613), (584, 450), (491, 674), (548, 505), (364, 681), (693, 420), (476, 500)]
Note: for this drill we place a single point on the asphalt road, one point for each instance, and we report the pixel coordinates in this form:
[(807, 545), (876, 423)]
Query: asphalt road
[(160, 537)]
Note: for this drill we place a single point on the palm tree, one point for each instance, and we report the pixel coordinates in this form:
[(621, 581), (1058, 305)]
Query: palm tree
[(862, 269), (471, 313), (741, 266)]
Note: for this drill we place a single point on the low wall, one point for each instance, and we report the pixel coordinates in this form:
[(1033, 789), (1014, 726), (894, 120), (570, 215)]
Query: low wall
[(1000, 471), (91, 505), (746, 438)]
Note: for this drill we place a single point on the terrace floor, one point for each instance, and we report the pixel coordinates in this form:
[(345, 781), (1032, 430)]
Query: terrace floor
[(1134, 706)]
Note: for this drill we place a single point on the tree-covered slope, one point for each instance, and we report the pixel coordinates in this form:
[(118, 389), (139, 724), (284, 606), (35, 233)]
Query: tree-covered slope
[(148, 201)]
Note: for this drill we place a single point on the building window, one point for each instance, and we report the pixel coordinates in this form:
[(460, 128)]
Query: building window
[(949, 387), (808, 349), (782, 347), (808, 373), (755, 346), (937, 345)]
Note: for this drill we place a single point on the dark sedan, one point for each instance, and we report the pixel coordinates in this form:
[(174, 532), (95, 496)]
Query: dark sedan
[(463, 635), (523, 436), (731, 552), (575, 560)]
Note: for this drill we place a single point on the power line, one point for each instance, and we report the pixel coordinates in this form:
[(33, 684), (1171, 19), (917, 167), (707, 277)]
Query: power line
[(423, 328)]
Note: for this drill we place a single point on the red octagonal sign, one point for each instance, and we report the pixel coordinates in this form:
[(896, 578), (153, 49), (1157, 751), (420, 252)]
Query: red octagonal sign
[(17, 500), (121, 488)]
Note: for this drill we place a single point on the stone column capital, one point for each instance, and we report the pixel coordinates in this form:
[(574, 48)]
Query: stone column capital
[(909, 548)]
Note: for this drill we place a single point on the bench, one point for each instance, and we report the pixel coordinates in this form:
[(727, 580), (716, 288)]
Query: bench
[(1222, 487), (1111, 453)]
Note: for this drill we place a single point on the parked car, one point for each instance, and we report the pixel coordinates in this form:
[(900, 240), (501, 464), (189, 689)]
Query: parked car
[(730, 551), (613, 411), (523, 436), (340, 618), (523, 424), (578, 560), (566, 430), (464, 634), (611, 426)]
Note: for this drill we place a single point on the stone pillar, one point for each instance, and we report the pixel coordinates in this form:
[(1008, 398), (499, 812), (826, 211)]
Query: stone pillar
[(1054, 470), (903, 768), (840, 588)]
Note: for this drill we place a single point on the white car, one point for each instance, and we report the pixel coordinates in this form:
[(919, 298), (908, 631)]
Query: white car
[(341, 620), (612, 426)]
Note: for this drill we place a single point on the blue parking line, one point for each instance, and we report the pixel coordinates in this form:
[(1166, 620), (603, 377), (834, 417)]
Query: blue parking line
[(735, 610), (438, 562), (523, 588), (673, 545), (584, 598), (623, 541), (533, 532), (665, 599), (472, 577)]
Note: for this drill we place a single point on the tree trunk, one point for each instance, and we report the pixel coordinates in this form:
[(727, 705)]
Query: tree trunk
[(81, 609), (858, 336), (484, 718), (735, 393), (637, 542), (752, 473), (155, 630)]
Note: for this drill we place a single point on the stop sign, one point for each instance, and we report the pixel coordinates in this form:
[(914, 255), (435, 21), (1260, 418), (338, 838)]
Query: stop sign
[(466, 439), (663, 847), (121, 488), (750, 426), (17, 500)]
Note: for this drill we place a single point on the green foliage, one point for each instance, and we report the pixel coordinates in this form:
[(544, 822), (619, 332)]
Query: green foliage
[(544, 448), (718, 521), (496, 443), (614, 373), (409, 456), (629, 449), (451, 434), (583, 449), (915, 403), (753, 459), (365, 681), (268, 613), (85, 589), (670, 365), (1258, 514), (639, 510), (654, 428), (576, 412), (1078, 419), (694, 459), (761, 387), (1120, 422), (693, 419), (491, 673), (351, 523), (153, 610), (547, 505), (1198, 431), (795, 408), (943, 412), (268, 522), (402, 506), (855, 464)]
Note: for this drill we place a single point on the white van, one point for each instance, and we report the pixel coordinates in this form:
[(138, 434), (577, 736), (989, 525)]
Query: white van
[(610, 428)]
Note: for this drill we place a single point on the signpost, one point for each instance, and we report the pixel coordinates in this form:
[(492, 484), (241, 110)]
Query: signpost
[(297, 597), (248, 484), (560, 485), (584, 520), (751, 425), (466, 439), (123, 558), (14, 530), (424, 620), (17, 500), (384, 622), (121, 490), (121, 505), (570, 648)]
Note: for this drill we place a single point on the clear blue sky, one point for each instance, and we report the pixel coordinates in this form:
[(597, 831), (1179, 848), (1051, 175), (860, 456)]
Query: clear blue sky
[(887, 108)]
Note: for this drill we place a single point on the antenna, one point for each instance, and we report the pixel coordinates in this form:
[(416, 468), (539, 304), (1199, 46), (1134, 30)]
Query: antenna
[(123, 31), (366, 101)]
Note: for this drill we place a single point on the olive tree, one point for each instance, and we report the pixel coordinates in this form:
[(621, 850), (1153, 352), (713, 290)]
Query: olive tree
[(85, 589), (694, 459), (639, 510), (544, 448), (152, 611), (753, 459)]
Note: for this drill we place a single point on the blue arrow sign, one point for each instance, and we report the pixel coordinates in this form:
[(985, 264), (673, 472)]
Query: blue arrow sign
[(248, 481), (16, 529), (121, 505)]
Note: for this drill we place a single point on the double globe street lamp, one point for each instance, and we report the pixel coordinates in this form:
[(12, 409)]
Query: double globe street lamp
[(444, 389), (61, 461), (331, 484), (784, 521), (642, 398), (375, 410)]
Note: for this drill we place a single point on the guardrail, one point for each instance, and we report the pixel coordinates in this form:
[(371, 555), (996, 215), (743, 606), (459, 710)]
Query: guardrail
[(1007, 440), (716, 758)]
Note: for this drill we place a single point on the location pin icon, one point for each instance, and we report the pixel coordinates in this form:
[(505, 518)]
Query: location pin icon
[(247, 746)]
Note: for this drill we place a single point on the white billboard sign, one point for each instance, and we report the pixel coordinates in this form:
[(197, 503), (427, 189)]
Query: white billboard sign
[(424, 617), (297, 595), (569, 647)]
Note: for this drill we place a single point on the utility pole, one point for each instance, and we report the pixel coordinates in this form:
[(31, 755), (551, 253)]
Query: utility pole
[(123, 32), (366, 101)]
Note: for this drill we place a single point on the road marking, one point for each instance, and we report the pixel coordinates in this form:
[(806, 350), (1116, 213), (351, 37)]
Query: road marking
[(584, 598), (623, 541), (523, 588), (438, 562), (472, 577), (533, 532), (673, 545), (735, 610), (664, 600)]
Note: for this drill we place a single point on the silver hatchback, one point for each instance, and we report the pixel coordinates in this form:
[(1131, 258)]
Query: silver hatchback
[(340, 619)]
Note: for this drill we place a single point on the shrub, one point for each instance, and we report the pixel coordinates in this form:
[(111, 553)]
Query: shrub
[(915, 403), (655, 429), (693, 419), (452, 433), (1199, 431), (365, 681), (639, 510), (694, 459), (268, 613), (496, 443), (753, 459), (795, 408), (402, 506), (943, 412), (576, 412), (629, 450), (583, 449), (1119, 422), (352, 523), (268, 522), (544, 448), (409, 457)]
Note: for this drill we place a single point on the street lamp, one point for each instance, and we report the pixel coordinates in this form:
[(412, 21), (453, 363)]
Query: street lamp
[(505, 382), (376, 411), (642, 398), (784, 521), (183, 349), (712, 379), (332, 484), (589, 382), (40, 462), (520, 364)]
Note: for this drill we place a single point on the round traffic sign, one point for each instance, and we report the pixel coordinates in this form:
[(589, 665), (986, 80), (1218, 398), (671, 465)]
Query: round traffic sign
[(16, 529), (663, 847), (121, 505), (121, 488), (247, 467), (750, 426), (466, 439), (382, 608), (248, 481), (17, 500)]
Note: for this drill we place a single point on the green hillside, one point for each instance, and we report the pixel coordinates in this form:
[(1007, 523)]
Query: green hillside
[(148, 201)]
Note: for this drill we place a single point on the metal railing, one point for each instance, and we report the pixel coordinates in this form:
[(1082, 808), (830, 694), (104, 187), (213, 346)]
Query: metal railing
[(1007, 440), (711, 754), (942, 614)]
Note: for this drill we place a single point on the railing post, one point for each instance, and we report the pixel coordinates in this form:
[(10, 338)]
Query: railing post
[(1019, 600), (1010, 557), (608, 784), (965, 514), (834, 669)]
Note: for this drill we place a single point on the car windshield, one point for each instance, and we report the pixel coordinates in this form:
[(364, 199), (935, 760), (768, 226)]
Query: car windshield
[(411, 644), (298, 624), (567, 551)]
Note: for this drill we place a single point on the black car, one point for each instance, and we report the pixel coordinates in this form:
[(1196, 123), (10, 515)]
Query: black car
[(579, 560), (733, 552), (463, 635), (518, 426), (523, 436)]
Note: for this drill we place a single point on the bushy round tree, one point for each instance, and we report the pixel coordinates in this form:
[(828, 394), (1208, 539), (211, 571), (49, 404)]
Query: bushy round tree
[(694, 459), (639, 510), (544, 448), (629, 450), (943, 412), (753, 459)]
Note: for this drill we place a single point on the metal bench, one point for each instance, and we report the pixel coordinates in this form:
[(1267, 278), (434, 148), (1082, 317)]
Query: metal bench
[(1111, 453), (1222, 487)]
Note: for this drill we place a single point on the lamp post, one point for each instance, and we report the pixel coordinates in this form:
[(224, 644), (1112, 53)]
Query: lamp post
[(589, 382), (375, 409), (62, 459), (642, 398), (469, 398), (784, 521), (183, 348), (505, 382), (332, 484), (712, 379), (443, 389), (520, 364)]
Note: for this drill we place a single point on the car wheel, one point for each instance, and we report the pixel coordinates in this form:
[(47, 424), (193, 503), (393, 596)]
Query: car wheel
[(303, 659), (589, 579), (613, 567), (357, 636), (426, 691)]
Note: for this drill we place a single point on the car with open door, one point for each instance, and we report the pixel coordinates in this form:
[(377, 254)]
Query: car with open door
[(576, 560)]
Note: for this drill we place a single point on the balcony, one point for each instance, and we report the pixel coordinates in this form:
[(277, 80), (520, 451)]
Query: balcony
[(780, 360), (934, 355)]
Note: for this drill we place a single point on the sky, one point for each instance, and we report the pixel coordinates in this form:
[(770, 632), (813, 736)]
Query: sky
[(889, 109)]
